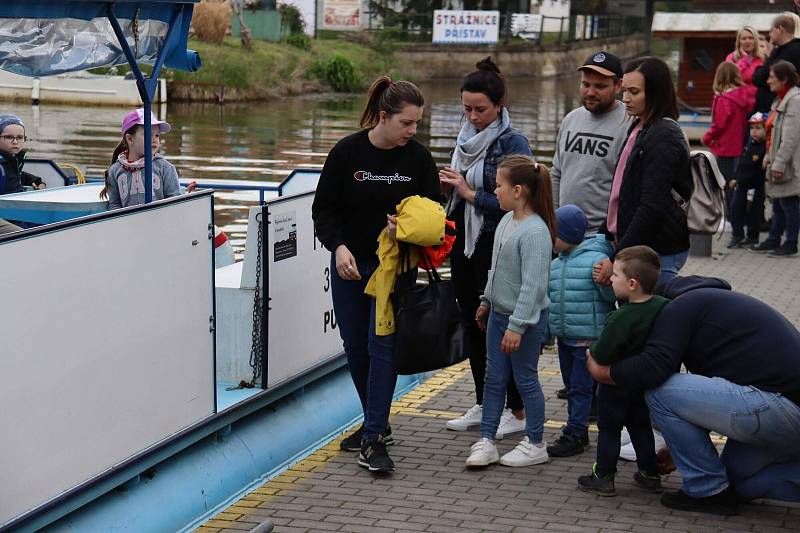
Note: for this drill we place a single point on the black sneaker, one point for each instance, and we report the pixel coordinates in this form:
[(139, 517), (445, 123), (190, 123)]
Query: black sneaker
[(562, 394), (374, 457), (648, 483), (766, 246), (568, 445), (785, 250), (725, 503), (352, 443), (600, 485), (750, 241), (735, 242)]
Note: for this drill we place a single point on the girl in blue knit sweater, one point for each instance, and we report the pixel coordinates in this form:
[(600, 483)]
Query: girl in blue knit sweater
[(513, 308)]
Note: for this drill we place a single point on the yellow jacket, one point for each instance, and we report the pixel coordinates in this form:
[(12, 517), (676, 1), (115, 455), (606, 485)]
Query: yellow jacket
[(420, 221)]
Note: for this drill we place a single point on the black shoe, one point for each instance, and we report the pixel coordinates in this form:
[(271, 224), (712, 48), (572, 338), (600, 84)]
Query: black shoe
[(600, 485), (750, 241), (374, 457), (735, 242), (593, 411), (785, 250), (648, 483), (765, 246), (562, 394), (724, 503), (352, 443), (568, 445)]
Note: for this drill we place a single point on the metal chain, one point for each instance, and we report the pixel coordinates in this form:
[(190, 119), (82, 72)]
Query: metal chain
[(255, 348)]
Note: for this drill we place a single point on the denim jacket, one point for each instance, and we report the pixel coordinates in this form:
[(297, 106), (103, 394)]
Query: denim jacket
[(509, 142)]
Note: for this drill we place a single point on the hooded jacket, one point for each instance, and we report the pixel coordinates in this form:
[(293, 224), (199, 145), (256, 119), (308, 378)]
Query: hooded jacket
[(578, 305), (729, 110), (695, 330), (747, 65), (12, 178)]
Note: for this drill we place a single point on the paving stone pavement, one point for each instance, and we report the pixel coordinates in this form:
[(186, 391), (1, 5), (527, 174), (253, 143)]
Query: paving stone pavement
[(433, 491)]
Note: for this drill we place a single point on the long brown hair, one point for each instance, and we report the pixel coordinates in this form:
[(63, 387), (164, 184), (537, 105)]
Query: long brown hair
[(535, 179), (727, 77), (390, 97), (659, 91), (121, 147)]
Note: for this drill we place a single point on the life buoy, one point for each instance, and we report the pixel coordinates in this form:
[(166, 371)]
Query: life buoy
[(223, 251)]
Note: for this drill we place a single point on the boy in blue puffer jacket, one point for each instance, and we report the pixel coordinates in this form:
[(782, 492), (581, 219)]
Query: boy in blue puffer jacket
[(578, 309)]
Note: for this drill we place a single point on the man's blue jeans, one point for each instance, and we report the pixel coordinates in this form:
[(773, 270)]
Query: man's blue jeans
[(762, 456), (671, 265), (525, 365), (369, 356), (578, 382)]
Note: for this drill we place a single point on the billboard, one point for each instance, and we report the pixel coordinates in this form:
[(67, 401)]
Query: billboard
[(465, 27), (341, 14)]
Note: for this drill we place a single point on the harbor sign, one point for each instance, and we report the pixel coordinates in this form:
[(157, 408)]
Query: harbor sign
[(465, 27)]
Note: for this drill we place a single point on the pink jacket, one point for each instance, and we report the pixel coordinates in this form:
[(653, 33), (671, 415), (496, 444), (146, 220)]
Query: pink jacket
[(747, 66), (727, 134)]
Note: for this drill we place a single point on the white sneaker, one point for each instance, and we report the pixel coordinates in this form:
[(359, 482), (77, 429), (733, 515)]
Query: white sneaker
[(509, 424), (471, 418), (627, 452), (525, 454), (483, 453)]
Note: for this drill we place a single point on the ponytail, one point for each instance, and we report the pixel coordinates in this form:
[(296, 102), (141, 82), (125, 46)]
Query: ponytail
[(390, 97), (121, 147), (535, 179)]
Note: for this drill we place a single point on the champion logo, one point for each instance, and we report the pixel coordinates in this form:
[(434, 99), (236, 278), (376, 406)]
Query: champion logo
[(364, 175), (599, 58)]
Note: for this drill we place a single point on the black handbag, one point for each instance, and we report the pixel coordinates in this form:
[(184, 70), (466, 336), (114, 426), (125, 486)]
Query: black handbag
[(428, 330)]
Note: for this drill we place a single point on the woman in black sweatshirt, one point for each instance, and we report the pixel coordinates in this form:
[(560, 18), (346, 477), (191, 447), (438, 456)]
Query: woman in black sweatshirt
[(365, 176)]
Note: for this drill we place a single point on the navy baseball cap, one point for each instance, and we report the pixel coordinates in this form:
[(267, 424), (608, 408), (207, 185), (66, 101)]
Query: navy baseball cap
[(604, 63)]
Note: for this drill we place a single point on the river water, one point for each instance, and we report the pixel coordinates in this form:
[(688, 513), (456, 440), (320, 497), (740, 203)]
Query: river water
[(265, 141)]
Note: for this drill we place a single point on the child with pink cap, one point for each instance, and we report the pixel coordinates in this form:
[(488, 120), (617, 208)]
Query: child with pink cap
[(125, 178)]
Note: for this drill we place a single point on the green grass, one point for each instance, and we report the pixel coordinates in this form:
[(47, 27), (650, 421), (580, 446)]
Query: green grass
[(270, 65)]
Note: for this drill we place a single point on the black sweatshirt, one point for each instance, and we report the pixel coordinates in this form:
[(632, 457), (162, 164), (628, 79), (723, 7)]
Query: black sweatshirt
[(789, 52), (360, 184), (718, 333)]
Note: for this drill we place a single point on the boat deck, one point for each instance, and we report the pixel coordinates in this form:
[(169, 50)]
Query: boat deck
[(433, 491)]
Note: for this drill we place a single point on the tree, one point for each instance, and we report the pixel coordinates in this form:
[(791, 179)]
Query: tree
[(245, 34)]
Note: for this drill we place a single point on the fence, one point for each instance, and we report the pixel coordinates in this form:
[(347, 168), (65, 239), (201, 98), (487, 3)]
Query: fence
[(418, 27)]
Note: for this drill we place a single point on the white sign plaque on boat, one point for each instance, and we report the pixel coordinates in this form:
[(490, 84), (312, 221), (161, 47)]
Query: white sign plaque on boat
[(285, 245), (465, 27)]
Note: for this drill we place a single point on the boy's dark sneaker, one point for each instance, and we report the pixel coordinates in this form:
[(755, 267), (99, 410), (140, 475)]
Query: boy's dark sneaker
[(352, 443), (725, 503), (600, 485), (749, 242), (648, 483), (766, 246), (562, 394), (785, 250), (374, 457), (735, 242), (568, 445)]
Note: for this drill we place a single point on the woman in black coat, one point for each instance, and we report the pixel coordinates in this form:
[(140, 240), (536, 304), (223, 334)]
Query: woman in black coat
[(653, 172)]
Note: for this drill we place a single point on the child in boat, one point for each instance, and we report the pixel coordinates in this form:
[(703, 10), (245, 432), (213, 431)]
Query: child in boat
[(12, 157), (125, 178)]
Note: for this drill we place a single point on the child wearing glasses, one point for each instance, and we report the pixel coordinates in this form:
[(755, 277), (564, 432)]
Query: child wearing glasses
[(124, 185), (12, 157)]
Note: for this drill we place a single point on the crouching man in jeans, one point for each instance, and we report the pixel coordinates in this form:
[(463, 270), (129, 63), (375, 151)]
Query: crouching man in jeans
[(744, 384)]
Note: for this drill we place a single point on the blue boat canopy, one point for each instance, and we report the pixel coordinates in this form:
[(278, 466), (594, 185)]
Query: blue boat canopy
[(45, 37)]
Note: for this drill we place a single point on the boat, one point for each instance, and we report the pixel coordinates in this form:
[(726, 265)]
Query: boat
[(76, 88), (143, 388)]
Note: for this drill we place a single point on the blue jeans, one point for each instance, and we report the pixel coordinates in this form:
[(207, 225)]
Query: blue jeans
[(671, 265), (523, 367), (369, 356), (785, 217), (579, 383), (762, 456)]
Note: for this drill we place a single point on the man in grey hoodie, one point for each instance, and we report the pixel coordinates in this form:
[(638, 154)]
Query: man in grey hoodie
[(589, 141)]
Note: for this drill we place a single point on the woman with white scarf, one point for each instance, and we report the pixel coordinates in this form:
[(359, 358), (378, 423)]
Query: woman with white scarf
[(469, 182)]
